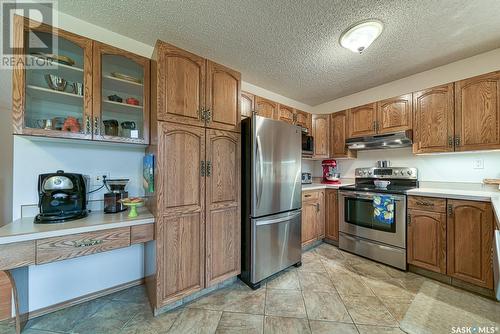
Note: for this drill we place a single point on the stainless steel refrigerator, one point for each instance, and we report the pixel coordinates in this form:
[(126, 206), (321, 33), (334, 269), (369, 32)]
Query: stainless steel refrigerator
[(271, 198)]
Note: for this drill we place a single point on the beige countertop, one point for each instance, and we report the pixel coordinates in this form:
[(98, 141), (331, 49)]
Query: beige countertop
[(24, 229), (316, 186)]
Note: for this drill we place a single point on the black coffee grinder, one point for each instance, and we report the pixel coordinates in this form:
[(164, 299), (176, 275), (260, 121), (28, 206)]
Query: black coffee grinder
[(112, 199)]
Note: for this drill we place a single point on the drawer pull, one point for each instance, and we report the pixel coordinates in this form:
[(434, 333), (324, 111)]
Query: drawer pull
[(87, 243), (307, 195), (425, 203)]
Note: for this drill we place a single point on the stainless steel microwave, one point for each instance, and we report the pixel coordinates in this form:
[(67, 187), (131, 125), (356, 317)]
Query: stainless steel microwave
[(307, 144)]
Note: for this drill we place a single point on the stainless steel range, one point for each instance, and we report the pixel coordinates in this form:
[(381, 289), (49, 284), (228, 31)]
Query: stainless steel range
[(373, 214)]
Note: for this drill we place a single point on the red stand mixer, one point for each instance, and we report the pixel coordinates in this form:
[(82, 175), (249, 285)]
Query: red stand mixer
[(330, 176)]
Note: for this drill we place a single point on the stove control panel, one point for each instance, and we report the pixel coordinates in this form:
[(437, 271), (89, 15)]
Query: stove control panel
[(387, 173)]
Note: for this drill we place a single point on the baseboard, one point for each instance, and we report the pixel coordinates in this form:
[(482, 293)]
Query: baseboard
[(84, 298)]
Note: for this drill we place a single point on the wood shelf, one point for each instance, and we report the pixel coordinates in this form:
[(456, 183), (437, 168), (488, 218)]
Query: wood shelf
[(55, 63), (120, 107), (54, 95), (110, 83)]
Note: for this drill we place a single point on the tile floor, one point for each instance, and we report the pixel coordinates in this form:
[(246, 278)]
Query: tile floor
[(333, 292)]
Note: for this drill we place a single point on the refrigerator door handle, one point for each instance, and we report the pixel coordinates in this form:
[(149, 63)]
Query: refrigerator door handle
[(277, 220), (260, 167)]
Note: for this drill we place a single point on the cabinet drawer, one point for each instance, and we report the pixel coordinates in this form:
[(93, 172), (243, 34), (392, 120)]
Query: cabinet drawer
[(70, 246), (310, 195), (427, 203), (17, 254)]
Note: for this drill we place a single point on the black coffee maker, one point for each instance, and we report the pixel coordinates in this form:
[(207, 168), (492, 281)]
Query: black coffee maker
[(62, 197)]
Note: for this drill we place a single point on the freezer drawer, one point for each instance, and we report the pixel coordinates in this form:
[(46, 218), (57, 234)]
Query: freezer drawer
[(275, 244)]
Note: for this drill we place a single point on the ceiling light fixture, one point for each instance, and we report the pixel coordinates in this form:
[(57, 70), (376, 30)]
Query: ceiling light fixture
[(359, 36)]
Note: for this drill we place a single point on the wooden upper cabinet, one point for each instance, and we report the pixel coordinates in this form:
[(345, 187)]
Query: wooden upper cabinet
[(477, 113), (132, 120), (427, 240), (394, 114), (223, 97), (331, 215), (321, 134), (433, 120), (180, 84), (304, 119), (286, 114), (361, 121), (223, 224), (338, 128), (40, 108), (247, 104), (266, 108), (469, 239)]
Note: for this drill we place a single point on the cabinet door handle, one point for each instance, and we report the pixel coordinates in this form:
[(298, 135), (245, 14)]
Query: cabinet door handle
[(88, 126), (457, 141), (208, 115), (450, 141), (317, 207), (450, 210), (374, 126), (201, 114), (97, 126), (202, 168), (408, 218), (209, 168)]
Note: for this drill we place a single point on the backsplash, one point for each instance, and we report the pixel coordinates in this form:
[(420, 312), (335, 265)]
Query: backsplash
[(452, 167)]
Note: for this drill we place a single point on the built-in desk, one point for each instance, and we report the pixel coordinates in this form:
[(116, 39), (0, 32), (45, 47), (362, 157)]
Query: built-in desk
[(23, 243)]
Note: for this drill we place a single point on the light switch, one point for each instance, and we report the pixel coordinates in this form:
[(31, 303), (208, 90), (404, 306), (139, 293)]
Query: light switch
[(478, 164)]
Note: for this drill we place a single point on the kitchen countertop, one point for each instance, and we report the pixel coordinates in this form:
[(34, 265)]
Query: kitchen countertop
[(24, 229), (316, 186)]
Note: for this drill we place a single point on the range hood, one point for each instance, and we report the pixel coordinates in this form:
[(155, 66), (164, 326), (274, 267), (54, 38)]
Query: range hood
[(385, 141)]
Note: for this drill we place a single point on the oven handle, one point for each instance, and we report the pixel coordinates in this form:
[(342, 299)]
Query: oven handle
[(366, 195)]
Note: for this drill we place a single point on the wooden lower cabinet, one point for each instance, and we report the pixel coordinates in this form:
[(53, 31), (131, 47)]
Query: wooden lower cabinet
[(223, 226), (313, 217), (331, 215), (181, 247), (197, 202), (452, 237), (427, 240), (470, 234)]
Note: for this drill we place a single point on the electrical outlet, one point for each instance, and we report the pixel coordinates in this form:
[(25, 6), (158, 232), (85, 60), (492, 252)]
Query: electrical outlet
[(478, 164), (98, 178)]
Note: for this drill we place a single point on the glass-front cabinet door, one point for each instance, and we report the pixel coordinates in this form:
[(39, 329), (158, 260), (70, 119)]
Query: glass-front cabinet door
[(121, 95), (52, 83)]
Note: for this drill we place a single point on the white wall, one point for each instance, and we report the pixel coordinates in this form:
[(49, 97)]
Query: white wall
[(465, 68), (452, 167)]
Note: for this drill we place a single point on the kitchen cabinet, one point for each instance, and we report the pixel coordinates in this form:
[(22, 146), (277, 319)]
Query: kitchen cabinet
[(179, 77), (197, 202), (338, 128), (361, 121), (433, 120), (195, 91), (180, 207), (247, 104), (266, 108), (304, 119), (321, 135), (427, 233), (131, 119), (286, 114), (104, 92), (5, 296), (394, 114), (223, 97), (477, 113), (469, 242), (223, 197), (331, 215), (41, 106), (313, 217)]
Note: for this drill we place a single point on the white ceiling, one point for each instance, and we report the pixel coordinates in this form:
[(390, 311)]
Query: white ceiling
[(291, 47)]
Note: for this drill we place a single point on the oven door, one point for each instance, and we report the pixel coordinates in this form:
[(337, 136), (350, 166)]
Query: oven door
[(357, 218)]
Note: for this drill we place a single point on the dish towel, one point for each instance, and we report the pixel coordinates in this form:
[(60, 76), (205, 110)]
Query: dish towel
[(383, 206)]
